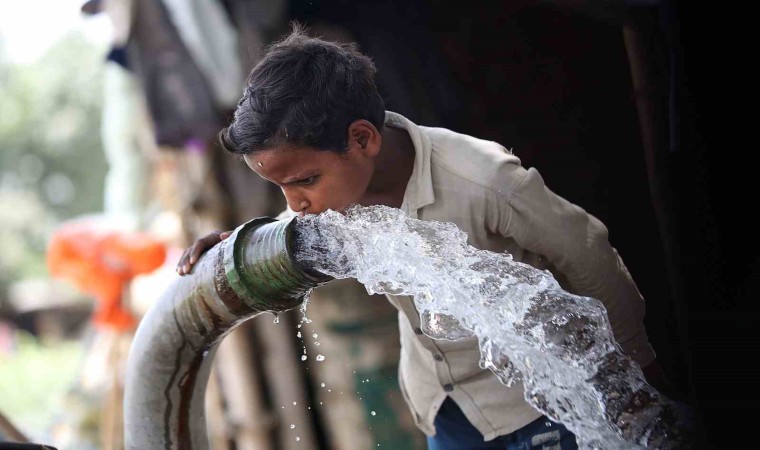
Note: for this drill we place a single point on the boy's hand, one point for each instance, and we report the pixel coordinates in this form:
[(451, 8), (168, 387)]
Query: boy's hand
[(193, 253)]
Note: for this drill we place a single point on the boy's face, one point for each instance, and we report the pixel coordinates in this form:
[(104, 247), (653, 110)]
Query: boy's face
[(315, 180)]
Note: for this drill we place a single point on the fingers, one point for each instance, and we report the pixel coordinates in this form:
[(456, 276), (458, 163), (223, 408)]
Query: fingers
[(184, 266), (201, 245), (193, 253)]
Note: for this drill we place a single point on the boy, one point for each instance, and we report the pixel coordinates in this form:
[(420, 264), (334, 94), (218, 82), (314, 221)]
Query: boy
[(312, 121)]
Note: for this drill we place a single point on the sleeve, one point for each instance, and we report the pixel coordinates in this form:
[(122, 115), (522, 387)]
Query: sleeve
[(577, 245)]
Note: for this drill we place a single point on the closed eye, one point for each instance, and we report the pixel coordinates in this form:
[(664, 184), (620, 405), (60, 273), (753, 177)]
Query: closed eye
[(306, 181)]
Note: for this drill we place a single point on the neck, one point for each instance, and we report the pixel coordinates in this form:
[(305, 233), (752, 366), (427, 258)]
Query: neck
[(393, 168)]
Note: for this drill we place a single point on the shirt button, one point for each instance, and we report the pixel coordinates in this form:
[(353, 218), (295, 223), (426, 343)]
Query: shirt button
[(438, 357), (418, 330), (448, 387)]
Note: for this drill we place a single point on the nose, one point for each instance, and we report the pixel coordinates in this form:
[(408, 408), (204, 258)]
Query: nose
[(297, 203)]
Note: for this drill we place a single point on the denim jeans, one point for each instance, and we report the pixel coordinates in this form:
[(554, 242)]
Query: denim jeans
[(455, 432)]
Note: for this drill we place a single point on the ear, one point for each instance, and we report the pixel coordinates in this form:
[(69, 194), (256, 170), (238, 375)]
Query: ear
[(363, 138)]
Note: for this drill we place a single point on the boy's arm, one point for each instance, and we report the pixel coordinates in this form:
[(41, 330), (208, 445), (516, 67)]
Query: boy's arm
[(577, 245)]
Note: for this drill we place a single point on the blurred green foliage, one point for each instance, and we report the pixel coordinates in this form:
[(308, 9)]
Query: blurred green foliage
[(36, 380), (52, 164)]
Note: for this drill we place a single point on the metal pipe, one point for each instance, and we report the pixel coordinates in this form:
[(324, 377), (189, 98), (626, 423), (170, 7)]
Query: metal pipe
[(250, 272)]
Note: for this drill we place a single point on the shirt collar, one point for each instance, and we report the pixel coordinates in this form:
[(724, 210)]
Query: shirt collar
[(419, 190)]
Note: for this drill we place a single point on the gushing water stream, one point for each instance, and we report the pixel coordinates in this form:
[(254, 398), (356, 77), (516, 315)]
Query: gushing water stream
[(559, 344)]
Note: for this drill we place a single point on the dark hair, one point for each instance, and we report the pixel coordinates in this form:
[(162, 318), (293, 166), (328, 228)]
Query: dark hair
[(304, 92)]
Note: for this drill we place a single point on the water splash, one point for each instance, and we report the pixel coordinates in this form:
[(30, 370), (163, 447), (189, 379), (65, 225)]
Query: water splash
[(304, 305), (559, 344)]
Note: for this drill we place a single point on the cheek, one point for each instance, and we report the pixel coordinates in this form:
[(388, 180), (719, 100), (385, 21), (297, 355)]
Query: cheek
[(360, 174), (344, 188), (356, 182)]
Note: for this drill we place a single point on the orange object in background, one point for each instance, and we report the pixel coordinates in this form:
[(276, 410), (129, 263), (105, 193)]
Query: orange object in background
[(100, 260)]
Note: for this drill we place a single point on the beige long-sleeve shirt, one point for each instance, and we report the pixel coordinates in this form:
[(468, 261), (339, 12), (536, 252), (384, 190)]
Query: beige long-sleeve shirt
[(503, 207)]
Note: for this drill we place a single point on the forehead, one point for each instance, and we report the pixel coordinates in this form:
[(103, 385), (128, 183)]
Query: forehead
[(282, 161)]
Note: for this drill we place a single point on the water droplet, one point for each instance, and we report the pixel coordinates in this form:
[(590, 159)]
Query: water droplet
[(320, 358), (548, 424), (298, 438), (304, 357), (292, 426), (276, 319), (323, 385), (305, 303), (317, 344), (298, 335), (295, 403), (373, 413), (315, 335)]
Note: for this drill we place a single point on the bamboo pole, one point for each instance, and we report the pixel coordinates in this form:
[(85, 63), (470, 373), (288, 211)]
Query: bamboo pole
[(283, 370), (240, 385), (218, 438), (10, 430)]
